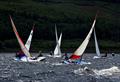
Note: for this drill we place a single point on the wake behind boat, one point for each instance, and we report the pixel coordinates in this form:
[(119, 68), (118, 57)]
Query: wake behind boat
[(25, 50)]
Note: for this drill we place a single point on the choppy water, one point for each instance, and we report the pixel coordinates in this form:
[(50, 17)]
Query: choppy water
[(52, 70)]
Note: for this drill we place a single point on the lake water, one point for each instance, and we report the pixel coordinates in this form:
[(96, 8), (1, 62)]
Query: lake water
[(53, 70)]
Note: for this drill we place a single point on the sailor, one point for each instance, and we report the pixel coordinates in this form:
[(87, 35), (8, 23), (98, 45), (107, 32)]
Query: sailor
[(113, 54), (105, 55), (78, 61), (20, 55), (67, 59), (17, 55), (40, 55), (51, 53), (65, 56)]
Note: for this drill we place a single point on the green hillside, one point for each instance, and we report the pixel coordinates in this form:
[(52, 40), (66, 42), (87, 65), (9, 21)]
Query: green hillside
[(73, 17)]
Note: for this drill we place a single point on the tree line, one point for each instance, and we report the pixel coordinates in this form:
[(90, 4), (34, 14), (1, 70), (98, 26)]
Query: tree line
[(73, 20), (74, 28)]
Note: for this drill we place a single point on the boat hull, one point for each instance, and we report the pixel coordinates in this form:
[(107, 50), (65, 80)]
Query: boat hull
[(26, 59)]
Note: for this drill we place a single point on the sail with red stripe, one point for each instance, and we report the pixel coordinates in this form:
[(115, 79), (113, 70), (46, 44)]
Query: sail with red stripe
[(78, 53), (22, 46), (28, 43)]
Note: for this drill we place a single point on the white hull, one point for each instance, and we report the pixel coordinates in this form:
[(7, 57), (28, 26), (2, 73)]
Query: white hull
[(26, 59), (57, 56), (96, 57)]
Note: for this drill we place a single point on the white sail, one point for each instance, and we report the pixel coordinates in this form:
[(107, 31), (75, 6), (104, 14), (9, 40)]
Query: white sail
[(96, 46), (28, 43), (23, 48), (57, 51), (78, 53)]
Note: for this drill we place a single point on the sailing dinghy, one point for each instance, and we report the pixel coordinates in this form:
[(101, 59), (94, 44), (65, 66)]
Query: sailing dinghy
[(77, 55), (96, 46), (57, 51), (28, 57), (29, 40), (27, 45)]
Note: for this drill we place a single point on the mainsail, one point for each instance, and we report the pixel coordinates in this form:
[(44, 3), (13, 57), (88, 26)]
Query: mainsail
[(28, 43), (57, 51), (22, 46), (78, 53), (96, 44)]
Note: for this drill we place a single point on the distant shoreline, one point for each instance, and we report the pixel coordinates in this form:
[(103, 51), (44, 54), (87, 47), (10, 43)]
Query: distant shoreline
[(63, 51), (66, 46)]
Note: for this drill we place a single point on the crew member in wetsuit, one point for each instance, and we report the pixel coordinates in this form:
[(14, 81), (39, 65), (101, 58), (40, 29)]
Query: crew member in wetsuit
[(113, 54), (20, 54), (40, 55), (105, 54), (65, 56), (51, 53)]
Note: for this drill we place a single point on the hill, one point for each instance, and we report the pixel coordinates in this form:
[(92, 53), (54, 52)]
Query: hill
[(73, 17)]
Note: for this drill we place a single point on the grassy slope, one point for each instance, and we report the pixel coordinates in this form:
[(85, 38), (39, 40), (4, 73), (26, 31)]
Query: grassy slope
[(57, 11)]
